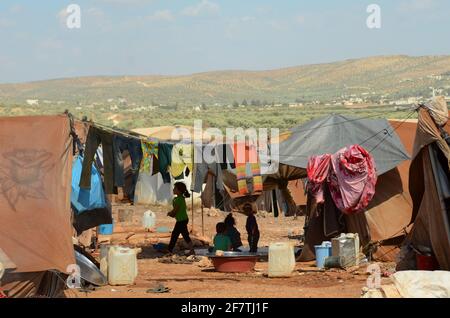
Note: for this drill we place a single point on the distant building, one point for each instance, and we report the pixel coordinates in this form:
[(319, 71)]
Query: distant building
[(33, 102)]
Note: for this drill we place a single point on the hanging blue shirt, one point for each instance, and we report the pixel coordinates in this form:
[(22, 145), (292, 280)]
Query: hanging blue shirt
[(86, 199)]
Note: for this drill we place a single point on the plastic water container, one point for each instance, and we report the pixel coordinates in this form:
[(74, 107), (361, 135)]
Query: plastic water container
[(104, 249), (281, 259), (122, 265), (106, 229), (2, 270), (149, 220), (346, 246), (322, 252)]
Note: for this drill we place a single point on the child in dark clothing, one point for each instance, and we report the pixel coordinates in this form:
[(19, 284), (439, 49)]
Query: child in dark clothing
[(252, 228), (233, 233)]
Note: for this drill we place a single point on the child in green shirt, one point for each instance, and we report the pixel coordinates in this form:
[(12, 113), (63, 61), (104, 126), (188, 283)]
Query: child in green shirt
[(179, 212), (221, 241)]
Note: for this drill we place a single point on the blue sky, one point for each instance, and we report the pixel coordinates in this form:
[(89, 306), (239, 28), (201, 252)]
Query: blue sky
[(140, 37)]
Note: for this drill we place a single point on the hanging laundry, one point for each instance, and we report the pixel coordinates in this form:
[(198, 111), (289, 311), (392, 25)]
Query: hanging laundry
[(201, 169), (247, 165), (151, 189), (165, 160), (96, 137), (92, 218), (155, 166), (82, 199), (350, 175), (133, 145), (99, 158), (181, 158), (225, 156), (149, 150)]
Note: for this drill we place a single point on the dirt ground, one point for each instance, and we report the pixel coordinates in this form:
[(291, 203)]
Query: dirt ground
[(192, 280)]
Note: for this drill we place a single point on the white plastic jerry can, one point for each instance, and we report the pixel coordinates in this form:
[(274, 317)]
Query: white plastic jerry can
[(149, 220), (281, 259), (347, 247), (104, 249), (122, 265)]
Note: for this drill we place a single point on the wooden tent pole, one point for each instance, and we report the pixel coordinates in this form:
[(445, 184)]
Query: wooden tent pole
[(192, 204), (203, 224)]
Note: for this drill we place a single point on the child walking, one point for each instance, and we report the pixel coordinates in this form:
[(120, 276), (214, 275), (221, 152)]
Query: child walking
[(179, 212)]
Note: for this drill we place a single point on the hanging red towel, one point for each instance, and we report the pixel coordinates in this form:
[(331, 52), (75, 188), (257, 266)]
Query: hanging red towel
[(350, 175)]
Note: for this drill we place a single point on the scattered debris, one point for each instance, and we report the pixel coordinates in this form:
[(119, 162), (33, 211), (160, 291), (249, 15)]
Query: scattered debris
[(179, 259), (159, 289), (205, 262), (130, 235), (263, 214), (213, 212)]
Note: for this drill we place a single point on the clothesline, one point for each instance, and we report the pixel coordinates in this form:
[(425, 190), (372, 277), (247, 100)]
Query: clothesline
[(138, 136), (129, 134)]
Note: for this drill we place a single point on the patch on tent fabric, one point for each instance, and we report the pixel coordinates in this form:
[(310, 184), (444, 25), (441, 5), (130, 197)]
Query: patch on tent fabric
[(22, 175)]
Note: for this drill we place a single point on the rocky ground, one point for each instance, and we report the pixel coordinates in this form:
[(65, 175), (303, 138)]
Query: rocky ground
[(198, 278)]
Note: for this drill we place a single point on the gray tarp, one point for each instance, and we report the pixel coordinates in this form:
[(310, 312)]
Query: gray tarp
[(331, 133)]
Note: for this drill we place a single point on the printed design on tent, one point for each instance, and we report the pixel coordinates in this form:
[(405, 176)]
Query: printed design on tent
[(350, 175), (22, 175)]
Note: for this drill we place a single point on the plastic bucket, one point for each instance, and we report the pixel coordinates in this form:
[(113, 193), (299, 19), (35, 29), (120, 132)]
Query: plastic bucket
[(426, 263), (105, 229), (322, 252)]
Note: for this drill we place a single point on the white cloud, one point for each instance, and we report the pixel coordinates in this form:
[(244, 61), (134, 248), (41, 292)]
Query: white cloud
[(300, 19), (5, 23), (126, 2), (95, 12), (162, 15), (248, 19), (51, 44), (62, 16), (16, 8), (203, 7), (6, 62), (417, 5), (278, 25), (236, 26)]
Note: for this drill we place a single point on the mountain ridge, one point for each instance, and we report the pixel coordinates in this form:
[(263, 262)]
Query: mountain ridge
[(377, 76)]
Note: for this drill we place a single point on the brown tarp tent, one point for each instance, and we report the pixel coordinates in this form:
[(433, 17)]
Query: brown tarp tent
[(35, 176), (430, 192), (382, 227)]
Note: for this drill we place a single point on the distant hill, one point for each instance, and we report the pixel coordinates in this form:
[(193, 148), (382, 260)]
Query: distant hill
[(375, 76)]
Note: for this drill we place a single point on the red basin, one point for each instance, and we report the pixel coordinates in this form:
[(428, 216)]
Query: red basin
[(240, 264)]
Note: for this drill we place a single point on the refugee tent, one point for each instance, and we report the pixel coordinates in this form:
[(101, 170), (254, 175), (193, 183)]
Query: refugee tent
[(389, 211), (430, 191), (35, 229)]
